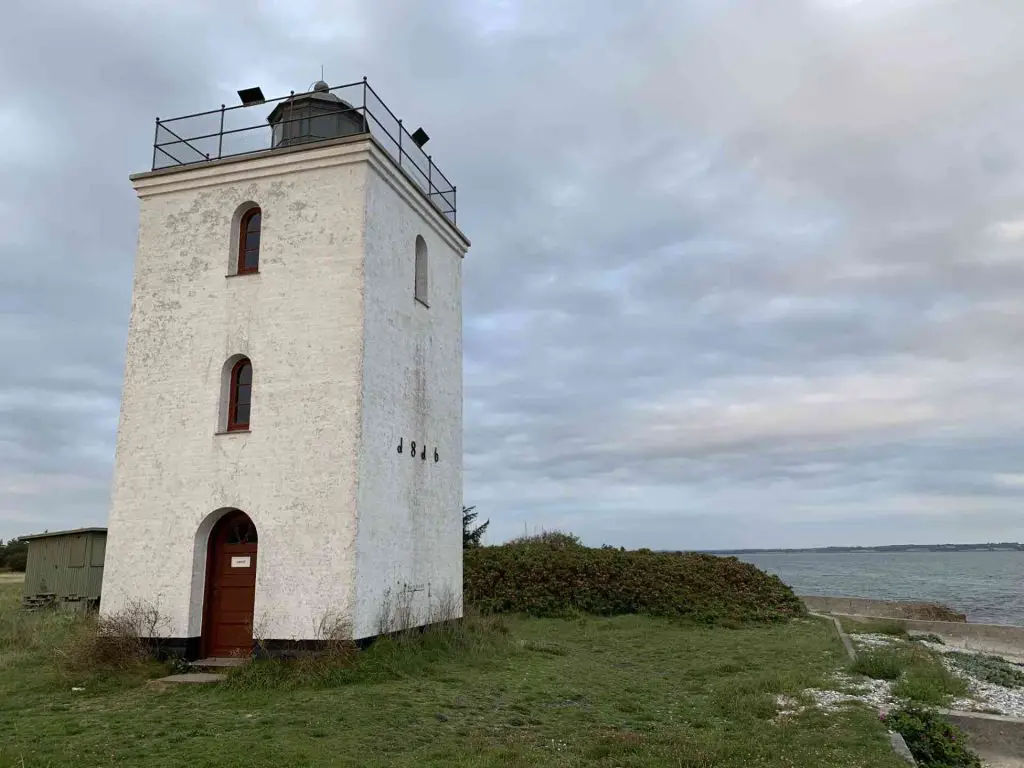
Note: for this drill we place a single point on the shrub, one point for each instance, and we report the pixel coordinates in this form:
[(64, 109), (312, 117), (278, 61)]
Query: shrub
[(17, 561), (933, 742), (879, 665), (553, 539), (554, 575), (933, 612), (861, 626), (890, 628), (116, 641)]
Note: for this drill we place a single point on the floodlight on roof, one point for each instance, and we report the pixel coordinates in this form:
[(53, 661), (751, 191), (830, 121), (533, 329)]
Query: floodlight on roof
[(250, 96)]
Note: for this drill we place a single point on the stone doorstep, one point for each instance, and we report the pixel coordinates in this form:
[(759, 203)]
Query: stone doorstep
[(219, 662), (189, 677)]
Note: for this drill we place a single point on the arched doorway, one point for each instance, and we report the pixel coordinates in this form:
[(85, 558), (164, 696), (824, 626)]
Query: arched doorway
[(230, 587)]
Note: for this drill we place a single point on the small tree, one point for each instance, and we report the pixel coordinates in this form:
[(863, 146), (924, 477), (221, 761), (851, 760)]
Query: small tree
[(15, 554), (470, 535)]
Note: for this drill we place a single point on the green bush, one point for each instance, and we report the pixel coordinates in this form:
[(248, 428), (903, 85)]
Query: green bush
[(889, 628), (933, 742), (12, 555), (17, 561), (879, 665), (554, 574)]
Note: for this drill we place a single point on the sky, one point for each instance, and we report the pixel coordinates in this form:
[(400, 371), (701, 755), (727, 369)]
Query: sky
[(743, 274)]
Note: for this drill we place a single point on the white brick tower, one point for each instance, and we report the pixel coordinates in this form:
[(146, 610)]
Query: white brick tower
[(290, 441)]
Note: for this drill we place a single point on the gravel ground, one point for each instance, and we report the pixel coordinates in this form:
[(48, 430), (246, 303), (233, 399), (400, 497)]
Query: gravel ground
[(875, 641), (875, 693), (982, 696)]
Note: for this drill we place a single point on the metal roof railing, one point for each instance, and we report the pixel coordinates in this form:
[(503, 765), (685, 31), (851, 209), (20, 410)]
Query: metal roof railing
[(235, 131)]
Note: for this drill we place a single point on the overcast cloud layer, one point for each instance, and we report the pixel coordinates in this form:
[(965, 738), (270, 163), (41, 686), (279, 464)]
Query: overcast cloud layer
[(744, 273)]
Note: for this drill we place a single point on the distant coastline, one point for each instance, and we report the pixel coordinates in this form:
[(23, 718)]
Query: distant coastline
[(991, 547)]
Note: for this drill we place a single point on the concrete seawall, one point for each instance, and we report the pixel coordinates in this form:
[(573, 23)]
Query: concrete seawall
[(887, 609), (999, 639)]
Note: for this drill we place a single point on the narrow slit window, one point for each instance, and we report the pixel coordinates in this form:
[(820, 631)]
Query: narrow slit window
[(249, 242), (241, 396), (420, 289)]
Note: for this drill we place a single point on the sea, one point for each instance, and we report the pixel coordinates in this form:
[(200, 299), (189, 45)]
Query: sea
[(987, 586)]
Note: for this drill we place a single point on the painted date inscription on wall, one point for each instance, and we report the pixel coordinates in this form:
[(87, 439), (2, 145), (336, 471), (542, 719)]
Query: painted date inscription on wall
[(412, 450)]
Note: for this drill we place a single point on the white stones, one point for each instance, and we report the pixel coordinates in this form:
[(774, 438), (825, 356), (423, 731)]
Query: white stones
[(788, 706), (982, 696), (849, 690), (987, 697), (876, 693), (875, 641)]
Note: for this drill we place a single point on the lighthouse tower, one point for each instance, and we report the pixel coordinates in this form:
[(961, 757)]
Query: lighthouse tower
[(289, 451)]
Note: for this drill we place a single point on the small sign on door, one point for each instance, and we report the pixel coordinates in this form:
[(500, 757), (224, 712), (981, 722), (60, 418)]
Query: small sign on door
[(241, 562)]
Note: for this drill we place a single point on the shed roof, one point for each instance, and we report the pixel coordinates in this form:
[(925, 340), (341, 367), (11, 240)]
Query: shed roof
[(62, 533)]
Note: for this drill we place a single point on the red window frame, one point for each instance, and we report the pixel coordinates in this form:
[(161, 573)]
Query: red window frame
[(243, 239), (233, 422)]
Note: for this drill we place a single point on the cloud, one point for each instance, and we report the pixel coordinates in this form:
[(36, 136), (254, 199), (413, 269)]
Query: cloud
[(742, 272)]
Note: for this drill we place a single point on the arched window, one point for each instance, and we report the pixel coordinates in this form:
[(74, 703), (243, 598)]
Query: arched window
[(241, 395), (249, 242), (420, 290), (241, 531)]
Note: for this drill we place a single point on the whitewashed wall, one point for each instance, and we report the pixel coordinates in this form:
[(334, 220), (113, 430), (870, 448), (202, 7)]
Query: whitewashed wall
[(299, 474), (409, 541), (300, 322)]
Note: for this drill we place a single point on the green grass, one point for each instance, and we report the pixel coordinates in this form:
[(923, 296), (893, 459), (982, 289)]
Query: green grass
[(919, 673), (929, 682), (623, 691), (882, 664)]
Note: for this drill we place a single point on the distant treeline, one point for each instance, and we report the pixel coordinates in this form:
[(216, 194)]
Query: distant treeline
[(13, 555), (1003, 546)]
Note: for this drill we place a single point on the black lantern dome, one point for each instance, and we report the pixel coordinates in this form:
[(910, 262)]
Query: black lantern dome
[(314, 116)]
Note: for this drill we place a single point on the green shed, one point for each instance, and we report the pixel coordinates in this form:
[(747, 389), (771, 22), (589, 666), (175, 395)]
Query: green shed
[(65, 568)]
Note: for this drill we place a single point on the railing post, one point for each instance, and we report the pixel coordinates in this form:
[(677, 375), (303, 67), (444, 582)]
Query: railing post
[(455, 203), (364, 92), (156, 140), (400, 132), (220, 137), (430, 168)]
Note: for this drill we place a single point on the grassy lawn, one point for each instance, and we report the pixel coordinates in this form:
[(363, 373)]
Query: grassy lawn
[(625, 691)]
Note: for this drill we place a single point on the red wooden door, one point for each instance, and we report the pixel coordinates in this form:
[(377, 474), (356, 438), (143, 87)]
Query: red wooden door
[(230, 587)]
